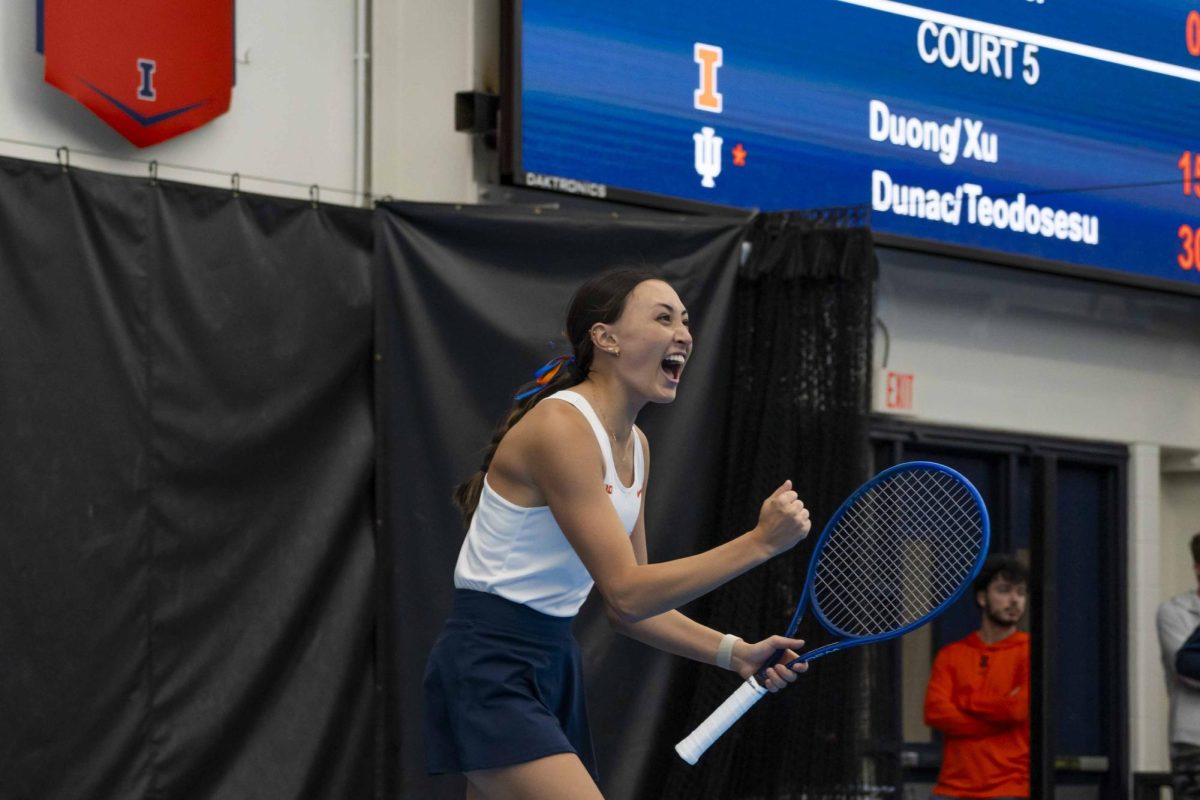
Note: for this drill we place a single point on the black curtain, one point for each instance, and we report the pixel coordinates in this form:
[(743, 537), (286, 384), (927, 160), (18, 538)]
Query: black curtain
[(471, 303), (801, 378), (188, 594), (186, 605)]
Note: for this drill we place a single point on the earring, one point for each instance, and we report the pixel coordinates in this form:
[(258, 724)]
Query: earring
[(616, 351)]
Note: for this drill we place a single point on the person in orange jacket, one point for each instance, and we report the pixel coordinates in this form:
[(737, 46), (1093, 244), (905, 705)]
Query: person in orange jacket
[(978, 693)]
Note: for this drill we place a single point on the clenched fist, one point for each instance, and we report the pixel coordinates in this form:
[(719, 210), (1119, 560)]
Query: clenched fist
[(782, 521)]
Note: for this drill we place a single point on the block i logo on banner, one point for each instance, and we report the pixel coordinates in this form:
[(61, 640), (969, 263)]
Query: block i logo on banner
[(150, 70)]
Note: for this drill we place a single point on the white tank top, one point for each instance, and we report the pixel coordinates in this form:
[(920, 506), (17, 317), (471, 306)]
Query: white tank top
[(521, 554)]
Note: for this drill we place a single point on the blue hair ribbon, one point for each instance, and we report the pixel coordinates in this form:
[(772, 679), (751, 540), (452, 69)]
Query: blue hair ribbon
[(546, 373)]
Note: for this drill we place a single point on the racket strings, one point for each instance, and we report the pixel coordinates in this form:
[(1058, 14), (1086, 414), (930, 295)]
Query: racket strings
[(898, 553), (904, 588), (883, 593)]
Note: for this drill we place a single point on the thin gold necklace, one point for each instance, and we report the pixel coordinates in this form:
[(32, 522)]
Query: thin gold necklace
[(608, 429)]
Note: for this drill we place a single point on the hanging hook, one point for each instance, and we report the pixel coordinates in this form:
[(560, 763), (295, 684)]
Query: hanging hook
[(63, 154), (744, 253), (153, 173), (314, 195), (235, 183)]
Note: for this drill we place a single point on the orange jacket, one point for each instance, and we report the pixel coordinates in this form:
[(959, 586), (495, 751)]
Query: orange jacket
[(978, 697)]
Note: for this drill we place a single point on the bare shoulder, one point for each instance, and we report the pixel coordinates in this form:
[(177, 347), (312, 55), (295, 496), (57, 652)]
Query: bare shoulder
[(554, 418), (551, 442), (552, 431)]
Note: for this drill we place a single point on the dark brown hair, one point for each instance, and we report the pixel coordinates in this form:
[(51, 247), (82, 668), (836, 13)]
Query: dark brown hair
[(1002, 566), (600, 299)]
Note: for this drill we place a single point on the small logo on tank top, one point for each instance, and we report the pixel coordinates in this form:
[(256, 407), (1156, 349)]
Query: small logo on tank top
[(608, 488)]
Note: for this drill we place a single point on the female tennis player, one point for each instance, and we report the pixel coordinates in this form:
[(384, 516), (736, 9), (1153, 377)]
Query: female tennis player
[(557, 506)]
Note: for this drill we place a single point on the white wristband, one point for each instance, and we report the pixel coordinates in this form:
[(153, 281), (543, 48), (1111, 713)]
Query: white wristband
[(725, 650)]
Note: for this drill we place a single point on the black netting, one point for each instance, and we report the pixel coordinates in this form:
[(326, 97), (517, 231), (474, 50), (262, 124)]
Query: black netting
[(800, 401)]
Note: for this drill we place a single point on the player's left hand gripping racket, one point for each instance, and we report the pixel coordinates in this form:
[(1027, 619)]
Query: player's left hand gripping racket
[(898, 552)]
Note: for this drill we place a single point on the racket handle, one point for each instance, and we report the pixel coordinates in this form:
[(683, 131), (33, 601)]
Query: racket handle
[(729, 712)]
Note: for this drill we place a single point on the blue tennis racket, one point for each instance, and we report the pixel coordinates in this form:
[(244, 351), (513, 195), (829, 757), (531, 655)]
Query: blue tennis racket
[(898, 552)]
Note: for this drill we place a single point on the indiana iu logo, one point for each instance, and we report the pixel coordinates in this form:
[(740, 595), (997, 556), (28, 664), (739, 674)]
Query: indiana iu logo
[(708, 156)]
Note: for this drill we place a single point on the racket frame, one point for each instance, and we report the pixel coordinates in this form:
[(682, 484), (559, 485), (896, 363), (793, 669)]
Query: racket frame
[(753, 688), (807, 597)]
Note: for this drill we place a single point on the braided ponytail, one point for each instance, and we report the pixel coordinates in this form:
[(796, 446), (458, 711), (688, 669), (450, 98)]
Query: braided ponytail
[(600, 299), (466, 495)]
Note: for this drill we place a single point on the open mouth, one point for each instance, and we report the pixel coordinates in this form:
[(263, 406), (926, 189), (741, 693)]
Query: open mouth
[(673, 365)]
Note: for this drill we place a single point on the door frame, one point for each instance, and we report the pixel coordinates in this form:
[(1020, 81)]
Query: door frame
[(1045, 453)]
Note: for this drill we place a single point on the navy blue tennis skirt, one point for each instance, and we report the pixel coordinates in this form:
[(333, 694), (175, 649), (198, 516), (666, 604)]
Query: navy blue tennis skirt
[(504, 685)]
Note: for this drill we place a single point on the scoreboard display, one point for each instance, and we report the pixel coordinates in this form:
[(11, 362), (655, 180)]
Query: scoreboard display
[(1056, 131)]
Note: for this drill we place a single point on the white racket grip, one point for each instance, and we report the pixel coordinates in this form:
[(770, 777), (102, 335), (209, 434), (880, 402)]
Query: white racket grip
[(729, 712)]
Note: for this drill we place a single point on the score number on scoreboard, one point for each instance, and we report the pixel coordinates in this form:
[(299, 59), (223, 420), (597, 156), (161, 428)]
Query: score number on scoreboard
[(1189, 164)]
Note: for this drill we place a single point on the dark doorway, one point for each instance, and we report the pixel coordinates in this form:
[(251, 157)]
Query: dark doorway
[(1060, 507)]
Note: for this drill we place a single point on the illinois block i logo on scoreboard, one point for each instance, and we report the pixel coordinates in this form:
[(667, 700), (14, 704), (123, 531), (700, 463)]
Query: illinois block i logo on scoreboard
[(707, 97), (709, 58)]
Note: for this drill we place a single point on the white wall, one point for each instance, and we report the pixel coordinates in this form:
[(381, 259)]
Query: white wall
[(996, 347), (424, 51), (1147, 588)]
